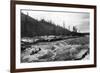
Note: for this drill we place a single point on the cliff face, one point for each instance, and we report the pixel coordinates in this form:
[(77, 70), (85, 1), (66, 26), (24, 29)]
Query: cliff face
[(31, 27)]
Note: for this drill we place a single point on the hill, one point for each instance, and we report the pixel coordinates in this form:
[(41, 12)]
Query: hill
[(31, 27)]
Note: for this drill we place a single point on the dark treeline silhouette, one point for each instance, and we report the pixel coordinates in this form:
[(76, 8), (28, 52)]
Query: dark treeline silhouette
[(31, 27), (79, 34)]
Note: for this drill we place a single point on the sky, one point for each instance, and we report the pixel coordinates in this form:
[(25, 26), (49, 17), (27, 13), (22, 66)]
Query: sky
[(78, 19)]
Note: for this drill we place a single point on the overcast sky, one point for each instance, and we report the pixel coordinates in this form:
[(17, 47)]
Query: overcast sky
[(80, 20)]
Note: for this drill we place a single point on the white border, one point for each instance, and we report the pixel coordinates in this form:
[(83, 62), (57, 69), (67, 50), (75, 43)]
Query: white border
[(53, 64)]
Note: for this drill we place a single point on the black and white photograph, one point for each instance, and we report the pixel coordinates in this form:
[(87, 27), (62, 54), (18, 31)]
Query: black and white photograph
[(51, 36), (54, 36)]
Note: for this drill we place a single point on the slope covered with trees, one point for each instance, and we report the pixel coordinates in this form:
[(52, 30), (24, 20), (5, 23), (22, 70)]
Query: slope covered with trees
[(31, 27)]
